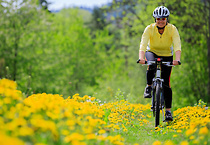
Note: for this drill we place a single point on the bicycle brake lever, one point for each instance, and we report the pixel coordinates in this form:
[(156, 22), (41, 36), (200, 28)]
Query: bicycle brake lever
[(168, 63)]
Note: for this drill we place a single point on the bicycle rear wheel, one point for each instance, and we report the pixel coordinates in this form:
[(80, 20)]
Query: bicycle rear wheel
[(157, 105)]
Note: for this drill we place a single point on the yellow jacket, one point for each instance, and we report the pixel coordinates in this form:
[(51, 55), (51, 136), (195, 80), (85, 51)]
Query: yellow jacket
[(161, 45)]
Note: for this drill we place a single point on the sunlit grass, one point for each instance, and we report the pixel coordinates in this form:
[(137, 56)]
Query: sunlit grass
[(52, 120)]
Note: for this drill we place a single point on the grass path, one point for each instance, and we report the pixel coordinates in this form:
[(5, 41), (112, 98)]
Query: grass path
[(178, 132)]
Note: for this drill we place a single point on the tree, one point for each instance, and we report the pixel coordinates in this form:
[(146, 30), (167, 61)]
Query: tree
[(97, 21), (15, 23), (207, 11), (44, 4), (190, 17)]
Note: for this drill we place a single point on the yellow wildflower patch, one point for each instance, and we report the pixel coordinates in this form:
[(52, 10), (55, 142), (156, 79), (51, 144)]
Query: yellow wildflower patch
[(81, 120)]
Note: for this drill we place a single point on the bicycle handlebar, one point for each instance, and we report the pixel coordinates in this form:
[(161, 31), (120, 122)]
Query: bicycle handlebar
[(167, 63)]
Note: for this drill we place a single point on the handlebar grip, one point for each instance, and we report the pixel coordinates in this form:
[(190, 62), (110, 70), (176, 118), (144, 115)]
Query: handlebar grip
[(139, 60)]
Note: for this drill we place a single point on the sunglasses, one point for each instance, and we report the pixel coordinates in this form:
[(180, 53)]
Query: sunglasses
[(161, 18)]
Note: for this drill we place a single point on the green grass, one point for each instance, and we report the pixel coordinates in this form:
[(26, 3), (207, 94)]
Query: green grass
[(147, 135)]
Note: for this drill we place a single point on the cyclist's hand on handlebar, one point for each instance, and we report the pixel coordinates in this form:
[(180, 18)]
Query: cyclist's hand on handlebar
[(142, 61), (176, 62)]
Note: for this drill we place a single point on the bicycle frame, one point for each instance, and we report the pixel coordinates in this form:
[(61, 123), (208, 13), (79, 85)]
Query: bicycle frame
[(157, 97)]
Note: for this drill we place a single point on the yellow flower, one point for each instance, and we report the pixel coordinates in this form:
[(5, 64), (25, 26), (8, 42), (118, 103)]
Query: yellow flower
[(91, 136), (149, 116), (169, 142), (192, 137), (157, 129), (174, 135), (74, 137), (8, 84), (76, 142), (102, 131), (184, 143), (7, 100), (156, 143), (92, 98), (203, 130), (116, 127), (65, 132), (195, 141), (26, 131), (164, 132), (189, 132), (101, 137), (7, 140)]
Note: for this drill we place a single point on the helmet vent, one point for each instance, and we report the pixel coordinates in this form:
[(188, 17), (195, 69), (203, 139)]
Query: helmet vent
[(161, 12)]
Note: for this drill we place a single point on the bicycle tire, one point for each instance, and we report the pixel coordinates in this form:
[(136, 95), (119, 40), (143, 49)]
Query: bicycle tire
[(157, 105), (153, 101)]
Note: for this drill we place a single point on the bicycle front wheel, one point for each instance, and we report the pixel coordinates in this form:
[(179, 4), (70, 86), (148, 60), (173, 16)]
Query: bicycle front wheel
[(157, 105)]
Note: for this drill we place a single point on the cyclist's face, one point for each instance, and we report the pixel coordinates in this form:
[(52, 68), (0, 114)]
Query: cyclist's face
[(160, 22)]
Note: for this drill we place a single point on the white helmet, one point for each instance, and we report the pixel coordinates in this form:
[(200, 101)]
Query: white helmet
[(161, 12)]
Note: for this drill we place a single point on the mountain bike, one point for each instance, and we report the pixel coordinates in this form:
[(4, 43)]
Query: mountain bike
[(157, 89)]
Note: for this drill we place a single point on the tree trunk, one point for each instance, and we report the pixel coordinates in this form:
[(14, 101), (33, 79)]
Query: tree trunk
[(15, 61), (16, 52)]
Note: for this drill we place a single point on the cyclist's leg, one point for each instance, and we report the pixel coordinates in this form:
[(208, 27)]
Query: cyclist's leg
[(167, 91), (151, 69), (166, 74), (150, 74)]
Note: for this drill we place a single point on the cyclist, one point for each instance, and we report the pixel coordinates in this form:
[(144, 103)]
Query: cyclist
[(159, 40)]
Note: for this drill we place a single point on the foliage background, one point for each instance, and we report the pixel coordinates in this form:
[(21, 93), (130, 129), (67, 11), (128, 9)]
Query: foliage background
[(75, 51)]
